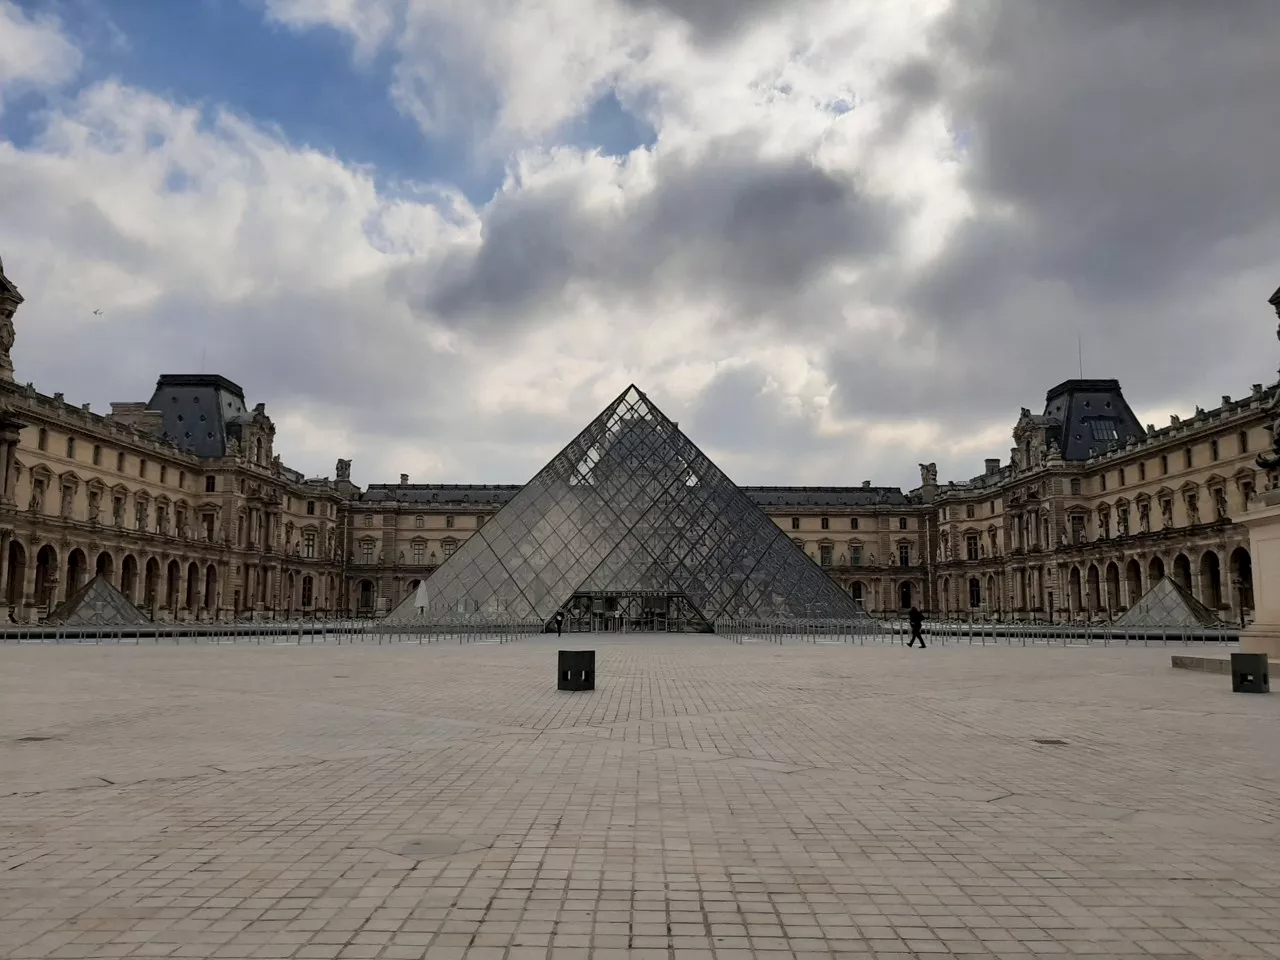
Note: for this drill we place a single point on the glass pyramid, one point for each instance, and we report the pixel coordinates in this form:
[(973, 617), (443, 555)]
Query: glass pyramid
[(96, 604), (1167, 604), (630, 509)]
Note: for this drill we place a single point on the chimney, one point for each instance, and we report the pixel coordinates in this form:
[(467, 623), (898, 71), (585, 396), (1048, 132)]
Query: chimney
[(404, 479), (138, 416), (993, 465)]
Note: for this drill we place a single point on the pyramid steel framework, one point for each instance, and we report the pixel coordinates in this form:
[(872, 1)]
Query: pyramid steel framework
[(97, 604), (1168, 604), (631, 508)]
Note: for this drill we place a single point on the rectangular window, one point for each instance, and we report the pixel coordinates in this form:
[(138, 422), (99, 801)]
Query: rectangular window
[(1186, 458), (42, 439), (1075, 486), (853, 523), (795, 523), (1122, 476), (311, 508), (902, 523), (1077, 528), (1213, 450), (309, 544), (855, 555), (826, 523), (479, 522), (824, 554), (182, 479), (210, 484), (971, 546), (366, 551), (968, 511), (448, 522), (142, 468), (1142, 470), (71, 448), (1103, 429), (904, 554), (97, 455), (208, 527), (1164, 464), (419, 553), (164, 473), (1102, 482), (1244, 441), (119, 463), (448, 547)]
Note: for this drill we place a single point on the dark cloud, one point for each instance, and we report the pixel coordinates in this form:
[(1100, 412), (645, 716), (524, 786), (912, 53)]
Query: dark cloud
[(714, 20), (1121, 159), (728, 224)]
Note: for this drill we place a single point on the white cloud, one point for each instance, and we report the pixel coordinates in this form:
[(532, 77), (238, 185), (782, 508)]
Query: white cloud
[(757, 271), (33, 52)]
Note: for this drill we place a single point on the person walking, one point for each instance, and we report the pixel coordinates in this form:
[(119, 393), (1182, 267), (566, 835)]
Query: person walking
[(917, 621), (559, 619)]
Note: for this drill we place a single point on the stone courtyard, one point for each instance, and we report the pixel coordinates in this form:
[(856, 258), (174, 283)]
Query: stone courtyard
[(708, 800)]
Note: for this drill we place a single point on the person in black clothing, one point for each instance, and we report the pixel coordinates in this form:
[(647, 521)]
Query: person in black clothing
[(559, 619), (917, 621)]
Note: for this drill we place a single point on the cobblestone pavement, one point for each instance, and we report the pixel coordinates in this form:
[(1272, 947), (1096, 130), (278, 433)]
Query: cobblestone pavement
[(708, 800)]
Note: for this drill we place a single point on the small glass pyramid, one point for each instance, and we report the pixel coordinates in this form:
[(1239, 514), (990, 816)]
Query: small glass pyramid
[(98, 603), (630, 509), (1167, 604)]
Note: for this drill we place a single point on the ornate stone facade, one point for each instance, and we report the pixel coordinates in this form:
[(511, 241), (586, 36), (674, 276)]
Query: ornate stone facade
[(183, 504)]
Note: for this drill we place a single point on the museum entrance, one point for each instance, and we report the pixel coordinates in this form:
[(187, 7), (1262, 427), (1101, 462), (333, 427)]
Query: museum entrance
[(639, 611)]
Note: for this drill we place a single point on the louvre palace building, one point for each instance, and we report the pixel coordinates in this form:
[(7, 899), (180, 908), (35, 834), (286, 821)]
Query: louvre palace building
[(181, 503)]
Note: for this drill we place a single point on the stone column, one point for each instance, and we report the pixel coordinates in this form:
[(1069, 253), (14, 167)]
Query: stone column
[(1262, 521)]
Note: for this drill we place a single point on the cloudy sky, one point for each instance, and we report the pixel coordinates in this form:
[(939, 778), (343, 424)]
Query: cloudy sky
[(832, 239)]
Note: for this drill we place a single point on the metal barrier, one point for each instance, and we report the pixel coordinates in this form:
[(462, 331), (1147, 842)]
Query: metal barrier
[(295, 632)]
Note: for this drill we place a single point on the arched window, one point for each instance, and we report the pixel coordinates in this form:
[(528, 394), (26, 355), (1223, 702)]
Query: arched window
[(975, 592)]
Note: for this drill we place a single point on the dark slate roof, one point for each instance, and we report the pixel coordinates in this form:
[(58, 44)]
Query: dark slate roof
[(441, 493), (1087, 416), (825, 496), (197, 408)]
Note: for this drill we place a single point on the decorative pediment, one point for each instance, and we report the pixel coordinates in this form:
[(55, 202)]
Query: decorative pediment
[(1164, 492), (1122, 502), (69, 478), (1188, 487), (42, 471), (1142, 498), (95, 483), (162, 500)]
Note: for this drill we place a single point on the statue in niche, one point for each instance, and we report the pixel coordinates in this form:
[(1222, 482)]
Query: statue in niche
[(1193, 509), (1055, 452), (95, 499), (1122, 522), (1015, 458), (68, 501), (343, 470), (1220, 501), (929, 474), (1144, 517), (37, 496), (233, 447), (1166, 514), (117, 511)]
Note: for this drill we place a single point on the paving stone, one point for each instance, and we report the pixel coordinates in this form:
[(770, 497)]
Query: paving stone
[(707, 800)]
